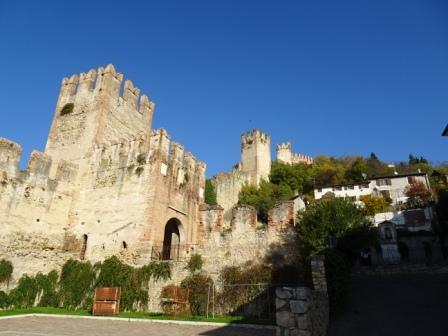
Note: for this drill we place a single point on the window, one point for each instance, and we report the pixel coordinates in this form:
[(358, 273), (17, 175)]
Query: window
[(385, 193), (83, 247), (411, 179), (337, 188), (351, 187), (319, 189), (387, 233), (383, 182)]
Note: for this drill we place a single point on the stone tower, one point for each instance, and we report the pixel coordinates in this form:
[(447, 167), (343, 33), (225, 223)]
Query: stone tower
[(91, 111), (285, 155), (256, 155)]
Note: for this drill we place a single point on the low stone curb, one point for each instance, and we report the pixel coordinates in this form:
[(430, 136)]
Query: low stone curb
[(128, 319)]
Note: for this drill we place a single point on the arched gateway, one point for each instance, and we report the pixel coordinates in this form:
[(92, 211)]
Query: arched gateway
[(171, 239)]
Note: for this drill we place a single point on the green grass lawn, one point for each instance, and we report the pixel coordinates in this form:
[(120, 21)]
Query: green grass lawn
[(144, 315)]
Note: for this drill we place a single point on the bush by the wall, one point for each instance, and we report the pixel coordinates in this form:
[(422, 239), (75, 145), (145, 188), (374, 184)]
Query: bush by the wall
[(198, 285), (75, 287), (242, 285), (6, 270), (195, 263), (76, 283), (24, 295)]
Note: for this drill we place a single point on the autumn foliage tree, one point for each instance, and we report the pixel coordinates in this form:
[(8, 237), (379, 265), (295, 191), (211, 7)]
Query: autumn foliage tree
[(374, 204), (418, 195)]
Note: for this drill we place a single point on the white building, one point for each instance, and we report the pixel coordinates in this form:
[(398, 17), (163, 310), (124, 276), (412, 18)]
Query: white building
[(393, 187)]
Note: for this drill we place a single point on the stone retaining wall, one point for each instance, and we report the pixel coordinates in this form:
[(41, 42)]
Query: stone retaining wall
[(301, 312)]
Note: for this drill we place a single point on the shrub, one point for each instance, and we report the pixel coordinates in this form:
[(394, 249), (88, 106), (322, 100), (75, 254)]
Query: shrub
[(139, 171), (195, 263), (133, 281), (141, 159), (241, 285), (76, 283), (210, 193), (47, 285), (6, 270), (331, 216), (198, 285), (67, 109), (24, 295), (4, 300)]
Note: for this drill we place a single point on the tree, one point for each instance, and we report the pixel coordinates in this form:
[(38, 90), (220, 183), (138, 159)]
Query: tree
[(339, 218), (377, 167), (297, 176), (418, 195), (210, 193), (264, 197), (357, 171), (373, 204)]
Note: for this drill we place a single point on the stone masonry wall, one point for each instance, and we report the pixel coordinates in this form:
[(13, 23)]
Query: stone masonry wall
[(302, 311)]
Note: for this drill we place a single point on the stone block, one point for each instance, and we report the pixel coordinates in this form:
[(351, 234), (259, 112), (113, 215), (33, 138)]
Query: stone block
[(279, 303), (283, 292), (285, 319), (302, 322), (302, 293), (299, 307)]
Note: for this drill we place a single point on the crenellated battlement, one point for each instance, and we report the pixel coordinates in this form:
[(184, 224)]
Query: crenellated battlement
[(10, 153), (141, 150), (284, 146), (285, 155), (39, 165), (254, 136), (106, 83)]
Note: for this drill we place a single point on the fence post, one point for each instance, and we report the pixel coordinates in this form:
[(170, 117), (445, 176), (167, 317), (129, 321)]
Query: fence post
[(208, 299), (318, 273)]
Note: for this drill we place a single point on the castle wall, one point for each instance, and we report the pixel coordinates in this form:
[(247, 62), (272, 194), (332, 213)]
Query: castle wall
[(285, 155), (128, 195), (228, 187), (255, 165), (33, 210)]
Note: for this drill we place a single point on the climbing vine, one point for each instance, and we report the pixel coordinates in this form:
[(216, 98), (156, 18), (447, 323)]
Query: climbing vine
[(74, 287), (6, 269)]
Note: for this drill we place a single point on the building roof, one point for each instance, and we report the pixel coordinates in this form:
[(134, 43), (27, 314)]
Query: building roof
[(397, 176), (367, 181)]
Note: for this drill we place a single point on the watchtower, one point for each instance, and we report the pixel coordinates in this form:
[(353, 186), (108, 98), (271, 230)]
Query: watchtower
[(256, 155), (91, 110)]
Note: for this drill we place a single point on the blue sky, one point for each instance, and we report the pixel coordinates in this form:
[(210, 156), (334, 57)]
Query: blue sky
[(332, 77)]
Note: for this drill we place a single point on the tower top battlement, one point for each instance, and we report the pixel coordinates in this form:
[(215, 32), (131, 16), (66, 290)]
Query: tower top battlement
[(105, 82)]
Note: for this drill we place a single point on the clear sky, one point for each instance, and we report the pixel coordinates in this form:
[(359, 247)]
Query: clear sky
[(333, 77)]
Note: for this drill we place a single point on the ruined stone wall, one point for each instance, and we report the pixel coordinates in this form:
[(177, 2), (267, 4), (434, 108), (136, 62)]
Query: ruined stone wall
[(245, 240), (228, 186)]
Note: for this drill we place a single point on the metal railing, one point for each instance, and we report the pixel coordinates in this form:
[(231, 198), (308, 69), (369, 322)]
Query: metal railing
[(173, 252)]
